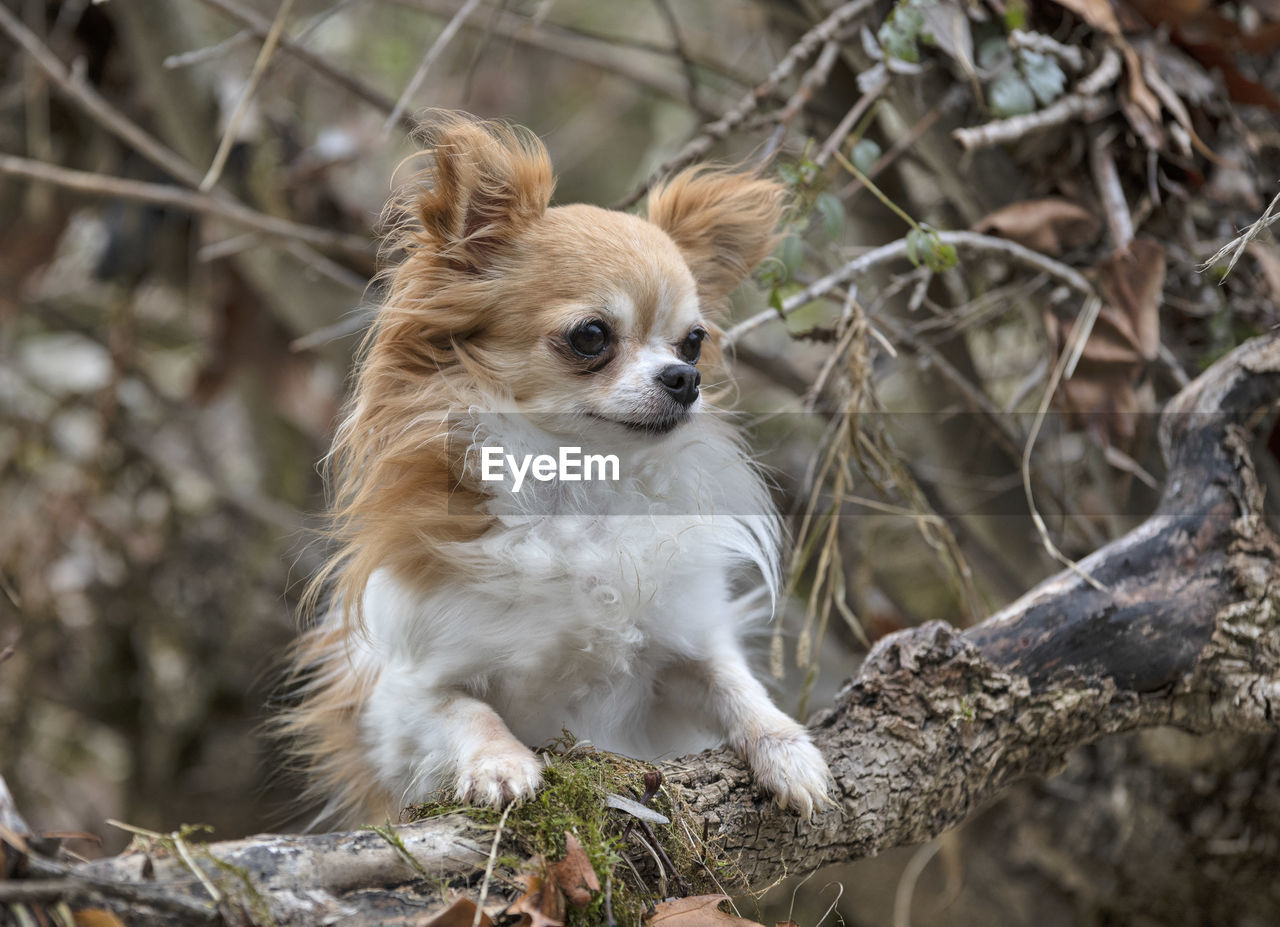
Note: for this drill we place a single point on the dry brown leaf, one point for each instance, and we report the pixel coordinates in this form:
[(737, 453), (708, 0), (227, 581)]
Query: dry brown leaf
[(1050, 225), (696, 911), (96, 917), (462, 913), (541, 905), (1168, 12), (1132, 282), (1140, 106), (574, 874), (1097, 13), (1103, 392)]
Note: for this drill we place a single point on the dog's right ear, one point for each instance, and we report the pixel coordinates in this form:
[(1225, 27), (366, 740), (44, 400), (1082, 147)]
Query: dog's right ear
[(487, 183)]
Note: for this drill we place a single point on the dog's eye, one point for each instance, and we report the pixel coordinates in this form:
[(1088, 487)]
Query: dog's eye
[(590, 338), (691, 348)]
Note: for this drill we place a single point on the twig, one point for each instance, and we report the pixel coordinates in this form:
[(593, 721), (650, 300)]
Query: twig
[(128, 131), (1079, 335), (808, 43), (815, 77), (96, 105), (1240, 242), (350, 324), (903, 144), (488, 866), (1047, 45), (896, 251), (1084, 103), (837, 137), (681, 53), (260, 26), (437, 47), (1107, 182), (208, 53), (559, 40), (246, 96), (185, 200)]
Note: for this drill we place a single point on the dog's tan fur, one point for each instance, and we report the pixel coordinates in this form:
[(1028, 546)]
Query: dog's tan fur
[(487, 272)]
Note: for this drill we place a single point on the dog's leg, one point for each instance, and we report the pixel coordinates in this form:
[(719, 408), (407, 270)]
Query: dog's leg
[(782, 758), (425, 739)]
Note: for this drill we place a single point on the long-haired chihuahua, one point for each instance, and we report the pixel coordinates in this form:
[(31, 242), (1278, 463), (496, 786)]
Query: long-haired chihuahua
[(539, 523)]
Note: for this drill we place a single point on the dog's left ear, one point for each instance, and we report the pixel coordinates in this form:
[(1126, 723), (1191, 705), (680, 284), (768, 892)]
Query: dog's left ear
[(723, 223)]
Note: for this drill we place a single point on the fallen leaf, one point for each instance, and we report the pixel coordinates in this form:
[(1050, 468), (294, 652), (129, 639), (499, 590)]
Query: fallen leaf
[(1097, 13), (1050, 225), (462, 913), (1140, 106), (696, 911), (1103, 393), (541, 905), (96, 917), (574, 874), (1132, 282)]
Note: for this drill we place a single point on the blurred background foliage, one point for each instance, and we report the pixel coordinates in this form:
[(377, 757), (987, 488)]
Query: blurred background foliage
[(169, 376)]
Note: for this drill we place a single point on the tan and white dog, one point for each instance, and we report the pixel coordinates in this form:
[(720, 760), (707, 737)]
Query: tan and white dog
[(473, 612)]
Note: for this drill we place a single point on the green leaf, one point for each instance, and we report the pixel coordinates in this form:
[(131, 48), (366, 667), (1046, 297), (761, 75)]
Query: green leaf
[(914, 238), (775, 300), (1015, 14), (941, 257), (865, 154), (791, 253), (1043, 75), (790, 176), (1009, 95), (900, 30), (832, 211)]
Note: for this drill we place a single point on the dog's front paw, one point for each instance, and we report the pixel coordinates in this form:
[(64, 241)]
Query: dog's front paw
[(789, 766), (499, 777)]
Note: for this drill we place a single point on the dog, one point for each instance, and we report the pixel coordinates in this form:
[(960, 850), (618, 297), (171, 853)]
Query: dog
[(475, 609)]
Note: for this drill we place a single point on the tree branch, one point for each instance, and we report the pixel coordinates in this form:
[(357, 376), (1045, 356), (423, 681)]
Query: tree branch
[(937, 722)]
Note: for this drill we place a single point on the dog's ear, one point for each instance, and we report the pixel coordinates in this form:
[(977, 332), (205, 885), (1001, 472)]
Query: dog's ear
[(488, 182), (723, 223)]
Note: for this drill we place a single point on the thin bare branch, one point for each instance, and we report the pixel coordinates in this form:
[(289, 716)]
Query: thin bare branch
[(970, 242), (808, 44), (1107, 182), (232, 129), (814, 78), (437, 48), (184, 200), (1084, 104), (879, 82), (260, 26)]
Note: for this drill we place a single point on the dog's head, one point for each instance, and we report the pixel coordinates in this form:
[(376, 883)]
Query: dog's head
[(596, 314)]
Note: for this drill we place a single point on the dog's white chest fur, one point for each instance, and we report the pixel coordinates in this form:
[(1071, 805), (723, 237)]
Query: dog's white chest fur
[(598, 598)]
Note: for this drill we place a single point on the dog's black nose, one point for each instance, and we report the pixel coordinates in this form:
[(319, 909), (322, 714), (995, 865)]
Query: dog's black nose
[(681, 381)]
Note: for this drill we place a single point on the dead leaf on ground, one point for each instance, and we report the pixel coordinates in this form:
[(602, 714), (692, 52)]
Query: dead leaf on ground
[(696, 911), (574, 874), (96, 917), (541, 905), (1098, 13), (1050, 225), (462, 913), (1103, 393)]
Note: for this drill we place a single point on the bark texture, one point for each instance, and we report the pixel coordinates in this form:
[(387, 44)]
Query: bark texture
[(1176, 624)]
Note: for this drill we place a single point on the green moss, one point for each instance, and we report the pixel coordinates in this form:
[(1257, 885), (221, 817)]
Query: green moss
[(572, 799)]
